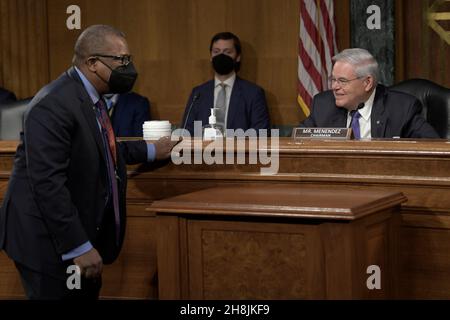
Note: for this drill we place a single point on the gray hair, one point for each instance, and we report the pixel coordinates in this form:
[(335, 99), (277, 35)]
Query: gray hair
[(365, 64), (94, 39)]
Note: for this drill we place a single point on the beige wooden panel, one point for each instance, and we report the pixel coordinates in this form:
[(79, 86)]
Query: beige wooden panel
[(23, 46), (170, 43)]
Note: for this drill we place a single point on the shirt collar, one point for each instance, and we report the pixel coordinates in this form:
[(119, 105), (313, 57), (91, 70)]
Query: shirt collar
[(366, 111), (229, 82), (93, 94), (111, 100)]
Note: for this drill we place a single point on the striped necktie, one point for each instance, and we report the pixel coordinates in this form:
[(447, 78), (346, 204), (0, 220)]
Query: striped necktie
[(109, 142)]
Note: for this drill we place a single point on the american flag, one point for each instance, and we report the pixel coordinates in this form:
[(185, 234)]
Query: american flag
[(317, 45)]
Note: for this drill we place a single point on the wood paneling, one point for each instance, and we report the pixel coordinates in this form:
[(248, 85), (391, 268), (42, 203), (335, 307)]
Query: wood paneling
[(10, 284), (170, 44), (342, 20), (248, 260), (272, 258), (425, 262), (24, 66), (420, 51), (170, 40), (419, 169), (299, 249), (133, 275)]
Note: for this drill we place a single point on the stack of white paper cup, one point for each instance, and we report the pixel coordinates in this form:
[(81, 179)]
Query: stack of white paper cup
[(153, 130)]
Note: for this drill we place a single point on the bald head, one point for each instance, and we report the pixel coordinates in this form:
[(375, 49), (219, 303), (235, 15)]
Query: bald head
[(95, 39)]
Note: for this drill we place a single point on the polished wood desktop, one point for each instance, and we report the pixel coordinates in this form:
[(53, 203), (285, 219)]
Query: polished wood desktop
[(418, 169)]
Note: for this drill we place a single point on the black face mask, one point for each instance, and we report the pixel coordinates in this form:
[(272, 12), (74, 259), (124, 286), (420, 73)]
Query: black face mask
[(223, 64), (122, 78)]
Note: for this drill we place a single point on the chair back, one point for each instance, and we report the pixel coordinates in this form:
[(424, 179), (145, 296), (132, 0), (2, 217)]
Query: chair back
[(435, 100), (11, 119)]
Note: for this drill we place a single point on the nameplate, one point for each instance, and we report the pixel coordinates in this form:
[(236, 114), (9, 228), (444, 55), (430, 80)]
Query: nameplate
[(322, 133)]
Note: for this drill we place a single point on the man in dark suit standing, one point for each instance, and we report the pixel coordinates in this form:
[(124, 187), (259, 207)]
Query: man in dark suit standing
[(6, 96), (239, 104), (371, 109), (128, 113), (65, 202)]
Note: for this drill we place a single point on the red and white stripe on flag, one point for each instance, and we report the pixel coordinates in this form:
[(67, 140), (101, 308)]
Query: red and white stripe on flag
[(317, 45)]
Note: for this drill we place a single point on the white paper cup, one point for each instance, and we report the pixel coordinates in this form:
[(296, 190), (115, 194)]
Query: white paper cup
[(155, 129), (164, 124)]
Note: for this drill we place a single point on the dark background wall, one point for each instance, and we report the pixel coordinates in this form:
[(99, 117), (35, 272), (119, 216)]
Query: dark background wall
[(374, 30)]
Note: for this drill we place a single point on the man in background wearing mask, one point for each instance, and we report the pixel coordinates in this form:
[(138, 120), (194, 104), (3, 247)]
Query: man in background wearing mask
[(65, 202), (128, 112), (239, 104)]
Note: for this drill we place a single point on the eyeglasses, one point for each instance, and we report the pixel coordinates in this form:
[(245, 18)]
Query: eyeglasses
[(124, 59), (342, 82)]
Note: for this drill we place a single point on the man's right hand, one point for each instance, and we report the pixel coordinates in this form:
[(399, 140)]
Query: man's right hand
[(90, 263), (164, 146)]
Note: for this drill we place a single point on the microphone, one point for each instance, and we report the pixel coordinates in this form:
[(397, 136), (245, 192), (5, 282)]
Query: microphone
[(191, 106), (360, 106)]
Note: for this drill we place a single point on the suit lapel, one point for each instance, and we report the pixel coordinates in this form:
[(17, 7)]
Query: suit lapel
[(339, 118), (378, 118), (209, 95), (87, 108), (88, 111)]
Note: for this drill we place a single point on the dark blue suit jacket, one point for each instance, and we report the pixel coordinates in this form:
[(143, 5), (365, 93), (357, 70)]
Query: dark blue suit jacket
[(55, 202), (6, 96), (394, 114), (130, 112), (247, 109)]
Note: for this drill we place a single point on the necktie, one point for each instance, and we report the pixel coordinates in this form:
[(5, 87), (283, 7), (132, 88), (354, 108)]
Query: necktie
[(221, 105), (355, 124), (110, 107), (109, 142)]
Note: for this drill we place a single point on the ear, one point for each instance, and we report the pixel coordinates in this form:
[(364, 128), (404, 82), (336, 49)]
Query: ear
[(238, 58), (92, 64), (369, 83)]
